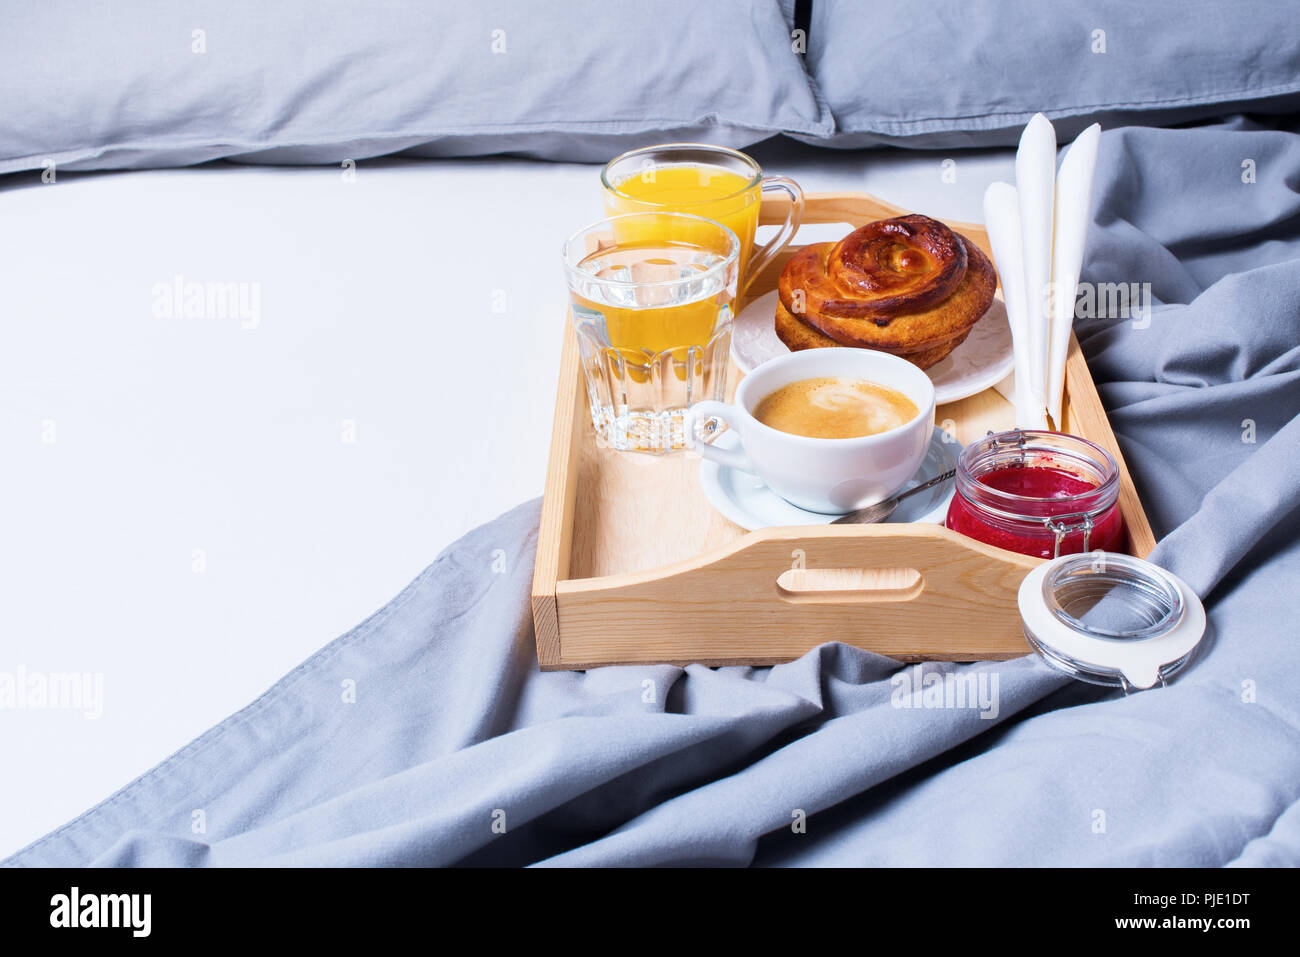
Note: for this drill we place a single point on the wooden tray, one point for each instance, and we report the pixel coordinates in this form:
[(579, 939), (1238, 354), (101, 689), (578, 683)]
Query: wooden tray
[(634, 565)]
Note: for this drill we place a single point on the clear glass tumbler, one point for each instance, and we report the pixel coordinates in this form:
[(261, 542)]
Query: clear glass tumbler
[(652, 297)]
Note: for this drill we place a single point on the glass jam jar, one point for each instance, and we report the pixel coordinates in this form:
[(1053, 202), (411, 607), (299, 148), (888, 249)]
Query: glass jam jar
[(1043, 494), (1111, 620)]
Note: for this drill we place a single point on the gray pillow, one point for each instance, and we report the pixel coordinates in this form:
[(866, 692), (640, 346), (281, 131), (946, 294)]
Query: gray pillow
[(95, 86), (972, 72)]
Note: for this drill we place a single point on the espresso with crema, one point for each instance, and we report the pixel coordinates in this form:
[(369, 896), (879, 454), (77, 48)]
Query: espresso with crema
[(834, 407)]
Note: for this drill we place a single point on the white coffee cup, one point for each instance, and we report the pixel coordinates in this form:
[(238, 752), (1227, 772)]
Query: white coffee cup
[(823, 475)]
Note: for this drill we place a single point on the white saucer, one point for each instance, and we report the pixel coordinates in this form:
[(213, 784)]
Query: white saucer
[(980, 362), (745, 500)]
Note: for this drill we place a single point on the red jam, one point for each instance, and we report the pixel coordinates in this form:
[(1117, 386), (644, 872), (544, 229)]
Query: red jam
[(1028, 533), (1038, 481)]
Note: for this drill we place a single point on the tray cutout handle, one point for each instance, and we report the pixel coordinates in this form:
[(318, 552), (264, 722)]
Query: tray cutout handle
[(850, 585), (732, 605)]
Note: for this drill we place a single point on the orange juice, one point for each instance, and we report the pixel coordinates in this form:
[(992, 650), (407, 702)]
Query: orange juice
[(721, 195), (654, 319)]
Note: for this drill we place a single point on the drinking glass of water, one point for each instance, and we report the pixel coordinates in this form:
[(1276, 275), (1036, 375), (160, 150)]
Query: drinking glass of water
[(652, 297)]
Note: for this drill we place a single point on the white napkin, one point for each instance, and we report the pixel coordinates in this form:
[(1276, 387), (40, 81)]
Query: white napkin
[(1002, 219), (1036, 186), (1070, 229)]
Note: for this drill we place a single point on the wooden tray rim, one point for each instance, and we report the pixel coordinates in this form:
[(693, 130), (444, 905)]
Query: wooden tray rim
[(555, 533)]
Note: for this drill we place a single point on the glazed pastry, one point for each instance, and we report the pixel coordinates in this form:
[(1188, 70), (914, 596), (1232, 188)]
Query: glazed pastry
[(798, 336), (909, 286)]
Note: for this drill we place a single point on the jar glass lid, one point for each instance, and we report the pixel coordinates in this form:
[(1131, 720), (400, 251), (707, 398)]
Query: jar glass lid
[(1111, 619)]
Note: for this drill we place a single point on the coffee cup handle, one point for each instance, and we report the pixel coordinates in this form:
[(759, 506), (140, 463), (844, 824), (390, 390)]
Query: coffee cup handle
[(728, 458)]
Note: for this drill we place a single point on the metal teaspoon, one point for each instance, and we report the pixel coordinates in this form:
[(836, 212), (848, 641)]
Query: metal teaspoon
[(882, 510)]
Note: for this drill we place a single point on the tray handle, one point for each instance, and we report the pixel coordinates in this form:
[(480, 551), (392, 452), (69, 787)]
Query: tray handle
[(775, 593), (850, 584)]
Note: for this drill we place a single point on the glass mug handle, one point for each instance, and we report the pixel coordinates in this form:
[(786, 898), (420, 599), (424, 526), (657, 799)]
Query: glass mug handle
[(793, 218)]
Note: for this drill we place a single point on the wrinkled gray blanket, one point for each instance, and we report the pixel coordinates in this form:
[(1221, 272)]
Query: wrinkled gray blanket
[(427, 735)]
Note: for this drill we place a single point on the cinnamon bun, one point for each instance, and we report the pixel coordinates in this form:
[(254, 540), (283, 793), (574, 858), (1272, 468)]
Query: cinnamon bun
[(910, 286)]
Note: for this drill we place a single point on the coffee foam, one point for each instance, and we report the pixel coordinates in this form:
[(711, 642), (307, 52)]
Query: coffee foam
[(833, 407)]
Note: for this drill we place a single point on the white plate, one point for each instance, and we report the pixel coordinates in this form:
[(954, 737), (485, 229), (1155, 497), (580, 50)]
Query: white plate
[(980, 362), (745, 500)]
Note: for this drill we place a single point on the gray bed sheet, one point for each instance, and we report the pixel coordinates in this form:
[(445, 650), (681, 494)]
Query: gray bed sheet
[(427, 735)]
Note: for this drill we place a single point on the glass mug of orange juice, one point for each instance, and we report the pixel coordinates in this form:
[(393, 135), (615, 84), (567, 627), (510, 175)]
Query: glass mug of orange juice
[(652, 297), (710, 181)]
